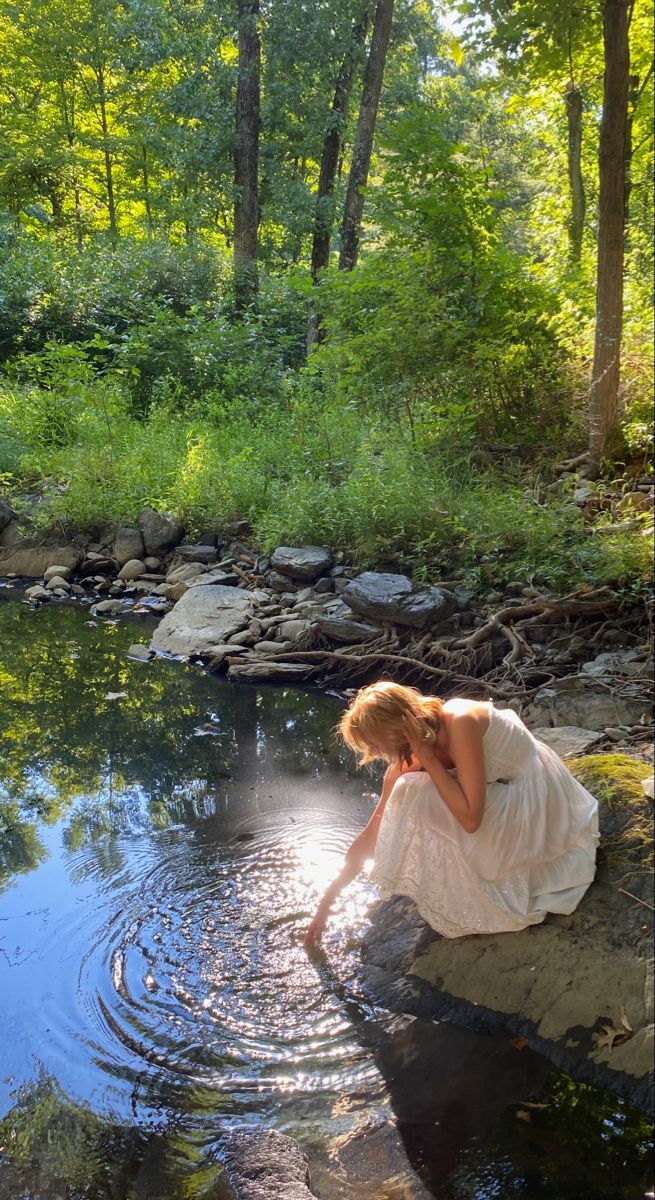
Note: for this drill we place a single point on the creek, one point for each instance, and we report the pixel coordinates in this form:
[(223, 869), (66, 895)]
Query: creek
[(164, 837)]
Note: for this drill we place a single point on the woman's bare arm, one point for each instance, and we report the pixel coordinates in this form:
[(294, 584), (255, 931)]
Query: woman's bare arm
[(465, 793), (357, 854)]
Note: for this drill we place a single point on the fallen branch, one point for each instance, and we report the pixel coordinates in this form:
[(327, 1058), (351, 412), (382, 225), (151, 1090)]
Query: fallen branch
[(636, 898)]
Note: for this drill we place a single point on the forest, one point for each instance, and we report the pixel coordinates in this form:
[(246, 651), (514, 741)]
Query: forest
[(375, 276)]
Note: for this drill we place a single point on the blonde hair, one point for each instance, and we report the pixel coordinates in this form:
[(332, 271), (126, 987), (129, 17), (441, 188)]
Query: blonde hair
[(384, 720)]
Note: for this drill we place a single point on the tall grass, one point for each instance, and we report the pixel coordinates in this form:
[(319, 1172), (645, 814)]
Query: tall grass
[(301, 471)]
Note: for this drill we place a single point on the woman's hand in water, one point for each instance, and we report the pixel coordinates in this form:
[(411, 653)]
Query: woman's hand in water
[(315, 931)]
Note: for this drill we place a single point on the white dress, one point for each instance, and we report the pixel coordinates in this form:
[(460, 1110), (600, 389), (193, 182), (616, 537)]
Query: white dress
[(534, 852)]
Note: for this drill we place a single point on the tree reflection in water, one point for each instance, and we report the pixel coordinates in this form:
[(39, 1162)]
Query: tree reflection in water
[(162, 753)]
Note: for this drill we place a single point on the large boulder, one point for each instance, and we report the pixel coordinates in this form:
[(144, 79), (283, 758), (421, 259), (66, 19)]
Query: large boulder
[(160, 531), (265, 1166), (33, 561), (394, 598), (128, 544), (7, 513), (10, 535), (204, 617), (301, 562)]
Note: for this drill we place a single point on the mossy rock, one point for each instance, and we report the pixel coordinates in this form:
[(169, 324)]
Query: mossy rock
[(626, 813)]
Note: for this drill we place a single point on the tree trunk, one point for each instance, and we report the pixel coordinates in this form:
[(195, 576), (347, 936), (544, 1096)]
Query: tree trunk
[(246, 157), (573, 101), (324, 213), (68, 115), (633, 100), (145, 172), (361, 159), (109, 170), (605, 375)]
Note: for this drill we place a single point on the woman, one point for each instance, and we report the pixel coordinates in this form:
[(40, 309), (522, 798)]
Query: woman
[(478, 822)]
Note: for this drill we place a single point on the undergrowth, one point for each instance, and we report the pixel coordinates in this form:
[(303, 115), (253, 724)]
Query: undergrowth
[(300, 471)]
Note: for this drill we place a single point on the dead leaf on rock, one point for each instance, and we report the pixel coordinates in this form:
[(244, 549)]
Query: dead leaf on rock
[(610, 1037), (521, 1115), (519, 1043)]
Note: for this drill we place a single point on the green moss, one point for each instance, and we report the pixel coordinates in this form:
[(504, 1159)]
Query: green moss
[(626, 812), (614, 778)]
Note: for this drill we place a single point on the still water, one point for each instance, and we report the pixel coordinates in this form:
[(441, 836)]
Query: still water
[(164, 837)]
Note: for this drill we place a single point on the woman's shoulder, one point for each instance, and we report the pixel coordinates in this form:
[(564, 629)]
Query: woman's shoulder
[(460, 707)]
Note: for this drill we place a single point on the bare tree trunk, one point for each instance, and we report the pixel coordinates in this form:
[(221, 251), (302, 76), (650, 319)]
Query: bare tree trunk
[(68, 114), (145, 172), (109, 169), (605, 375), (633, 100), (573, 101), (361, 159), (246, 157), (324, 214)]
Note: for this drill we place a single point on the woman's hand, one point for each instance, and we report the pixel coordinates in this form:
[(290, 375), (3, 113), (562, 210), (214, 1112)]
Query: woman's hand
[(316, 929)]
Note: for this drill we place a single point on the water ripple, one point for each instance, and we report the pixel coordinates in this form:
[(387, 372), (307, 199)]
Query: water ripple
[(197, 970)]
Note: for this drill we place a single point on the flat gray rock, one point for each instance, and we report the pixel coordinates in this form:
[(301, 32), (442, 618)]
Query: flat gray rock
[(578, 700), (204, 617), (33, 561), (568, 740), (202, 554), (341, 629), (393, 598), (301, 562), (263, 669)]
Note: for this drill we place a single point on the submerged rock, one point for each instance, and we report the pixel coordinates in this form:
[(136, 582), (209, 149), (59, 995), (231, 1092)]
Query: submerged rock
[(265, 1166)]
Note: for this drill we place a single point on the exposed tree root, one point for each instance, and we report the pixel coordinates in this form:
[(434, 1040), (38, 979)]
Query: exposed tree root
[(475, 664)]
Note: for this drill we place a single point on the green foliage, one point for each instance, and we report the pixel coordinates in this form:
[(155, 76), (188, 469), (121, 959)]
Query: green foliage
[(52, 291), (304, 472), (445, 322)]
